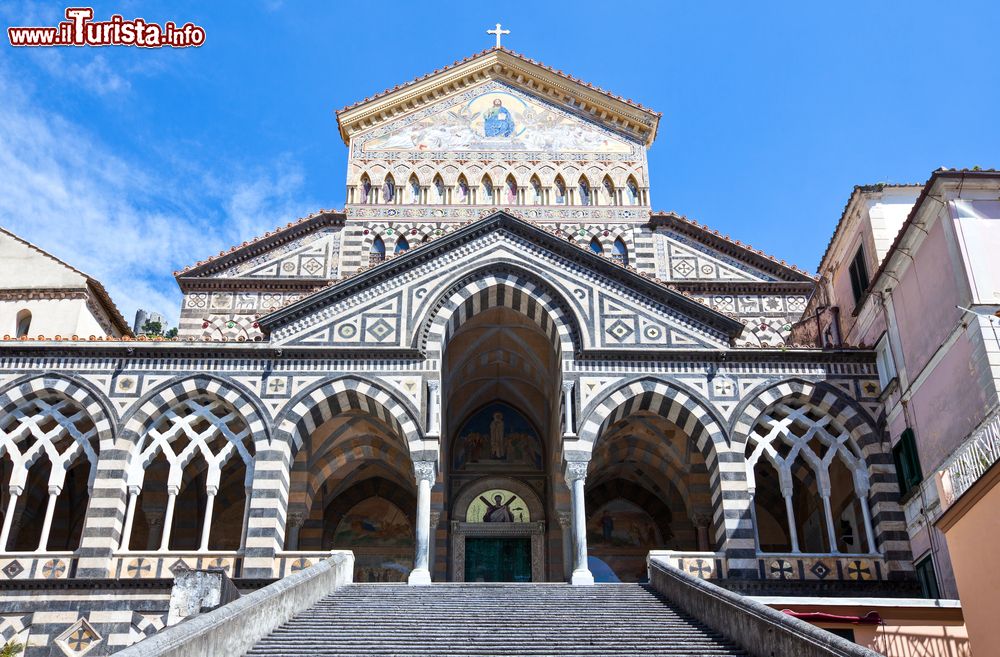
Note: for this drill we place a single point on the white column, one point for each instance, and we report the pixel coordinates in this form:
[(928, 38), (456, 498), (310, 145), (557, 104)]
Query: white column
[(831, 533), (206, 528), (8, 518), (793, 534), (566, 524), (246, 518), (433, 416), (133, 501), (50, 509), (294, 524), (753, 518), (168, 517), (425, 472), (567, 388), (869, 530), (576, 474)]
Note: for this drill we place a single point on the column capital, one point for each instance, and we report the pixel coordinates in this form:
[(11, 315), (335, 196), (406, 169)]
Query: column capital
[(295, 520), (575, 470), (567, 385), (15, 489), (702, 519), (565, 519), (433, 384), (435, 519), (425, 471)]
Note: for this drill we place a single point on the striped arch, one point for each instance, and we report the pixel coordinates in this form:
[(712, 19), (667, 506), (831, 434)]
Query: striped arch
[(888, 519), (314, 406), (93, 402), (499, 286), (732, 527), (302, 415), (168, 395)]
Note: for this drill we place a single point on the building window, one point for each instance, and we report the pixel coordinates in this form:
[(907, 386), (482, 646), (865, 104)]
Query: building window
[(619, 252), (560, 191), (595, 247), (884, 362), (401, 245), (927, 578), (904, 453), (22, 324), (859, 275), (377, 252)]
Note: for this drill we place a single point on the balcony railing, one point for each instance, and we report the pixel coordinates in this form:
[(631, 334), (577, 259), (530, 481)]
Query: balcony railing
[(972, 460)]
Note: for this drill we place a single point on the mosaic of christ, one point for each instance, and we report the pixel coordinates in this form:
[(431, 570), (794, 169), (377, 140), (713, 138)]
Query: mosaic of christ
[(499, 120)]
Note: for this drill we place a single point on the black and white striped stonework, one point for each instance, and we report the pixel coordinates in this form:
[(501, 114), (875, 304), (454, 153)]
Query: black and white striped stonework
[(731, 520)]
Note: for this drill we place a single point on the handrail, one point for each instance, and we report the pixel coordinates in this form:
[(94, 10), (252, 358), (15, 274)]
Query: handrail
[(755, 627), (234, 628), (973, 458)]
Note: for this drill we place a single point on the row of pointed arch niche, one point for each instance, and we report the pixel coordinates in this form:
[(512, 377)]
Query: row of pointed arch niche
[(499, 189), (49, 446), (198, 455), (808, 483)]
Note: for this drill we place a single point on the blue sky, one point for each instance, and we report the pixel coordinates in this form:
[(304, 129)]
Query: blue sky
[(133, 163)]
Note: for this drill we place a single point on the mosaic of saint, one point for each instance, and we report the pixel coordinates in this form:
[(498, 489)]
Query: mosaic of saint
[(622, 524), (500, 120), (498, 505), (497, 437), (374, 521), (381, 537)]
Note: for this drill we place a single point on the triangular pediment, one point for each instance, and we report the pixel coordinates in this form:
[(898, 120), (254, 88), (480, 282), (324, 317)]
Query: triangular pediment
[(495, 116), (690, 253), (305, 250), (498, 64), (610, 308)]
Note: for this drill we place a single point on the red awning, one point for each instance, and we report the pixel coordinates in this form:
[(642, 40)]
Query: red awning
[(871, 618)]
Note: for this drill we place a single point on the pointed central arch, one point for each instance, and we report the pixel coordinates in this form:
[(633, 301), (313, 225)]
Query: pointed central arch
[(507, 287)]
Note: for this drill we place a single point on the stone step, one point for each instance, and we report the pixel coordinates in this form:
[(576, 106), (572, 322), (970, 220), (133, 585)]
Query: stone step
[(484, 620)]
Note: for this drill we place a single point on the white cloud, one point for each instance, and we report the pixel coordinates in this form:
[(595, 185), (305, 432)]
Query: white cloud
[(122, 221)]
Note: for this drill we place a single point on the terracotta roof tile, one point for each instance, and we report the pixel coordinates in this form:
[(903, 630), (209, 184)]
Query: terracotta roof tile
[(565, 76)]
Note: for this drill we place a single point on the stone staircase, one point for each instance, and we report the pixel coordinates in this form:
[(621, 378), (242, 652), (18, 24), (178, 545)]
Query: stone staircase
[(480, 620)]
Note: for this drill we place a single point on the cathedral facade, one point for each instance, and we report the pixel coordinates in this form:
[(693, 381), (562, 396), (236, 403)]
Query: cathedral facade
[(496, 363)]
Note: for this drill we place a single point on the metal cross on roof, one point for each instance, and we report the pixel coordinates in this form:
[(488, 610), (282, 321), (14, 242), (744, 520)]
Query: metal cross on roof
[(499, 32)]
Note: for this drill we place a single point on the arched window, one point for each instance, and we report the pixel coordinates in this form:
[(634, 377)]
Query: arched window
[(50, 451), (22, 324), (595, 246), (510, 191), (463, 190), (609, 191), (365, 190), (377, 252), (189, 479), (584, 189), (401, 245), (487, 187), (439, 190), (633, 191), (388, 189), (619, 252), (414, 190), (560, 191), (536, 188), (809, 483)]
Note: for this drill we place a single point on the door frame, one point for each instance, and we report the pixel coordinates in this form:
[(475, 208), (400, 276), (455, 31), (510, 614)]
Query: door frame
[(534, 530)]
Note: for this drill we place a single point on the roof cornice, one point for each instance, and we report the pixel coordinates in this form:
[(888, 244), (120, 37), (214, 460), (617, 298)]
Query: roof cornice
[(579, 97), (498, 221), (734, 248), (258, 245)]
